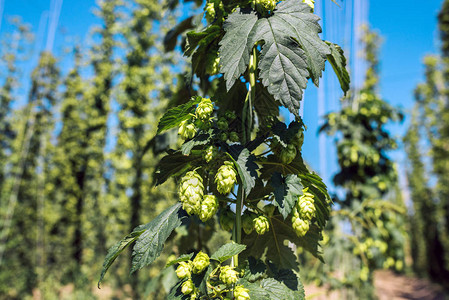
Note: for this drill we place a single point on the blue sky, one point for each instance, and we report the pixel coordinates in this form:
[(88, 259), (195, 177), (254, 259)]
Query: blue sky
[(409, 29)]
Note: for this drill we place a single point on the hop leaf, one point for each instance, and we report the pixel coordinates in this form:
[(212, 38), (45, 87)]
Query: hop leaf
[(225, 178), (228, 275), (209, 207), (204, 109), (240, 293), (184, 270), (187, 287), (186, 130), (191, 191), (200, 263), (261, 225)]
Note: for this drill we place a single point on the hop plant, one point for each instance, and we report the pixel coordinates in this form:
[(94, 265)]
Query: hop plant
[(234, 137), (209, 207), (248, 222), (240, 293), (213, 64), (187, 287), (222, 124), (210, 153), (191, 192), (209, 11), (288, 154), (228, 275), (300, 226), (225, 178), (184, 270), (261, 225), (227, 220), (200, 263), (186, 130), (204, 109), (306, 205), (265, 5)]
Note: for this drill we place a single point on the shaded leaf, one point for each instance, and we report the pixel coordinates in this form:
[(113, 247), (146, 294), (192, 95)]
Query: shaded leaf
[(279, 291), (184, 257), (227, 251), (174, 116), (286, 192), (174, 163), (338, 61)]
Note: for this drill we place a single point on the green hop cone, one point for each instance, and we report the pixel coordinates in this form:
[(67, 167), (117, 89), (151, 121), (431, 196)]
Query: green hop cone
[(300, 226), (210, 153), (234, 137), (204, 109), (248, 222), (227, 220), (222, 124), (209, 207), (209, 11), (240, 293), (186, 130), (224, 136), (269, 209), (265, 5), (306, 205), (184, 270), (228, 275), (225, 178), (191, 192), (288, 154), (261, 225), (212, 64), (230, 115), (200, 262), (187, 287)]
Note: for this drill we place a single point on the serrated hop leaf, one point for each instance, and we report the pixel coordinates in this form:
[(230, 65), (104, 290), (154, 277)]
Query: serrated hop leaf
[(187, 287), (306, 205), (227, 220), (209, 207), (222, 124), (265, 5), (300, 226), (234, 137), (225, 178), (248, 222), (186, 130), (200, 262), (310, 3), (228, 275), (184, 270), (204, 109), (261, 225), (240, 293), (191, 192), (288, 154)]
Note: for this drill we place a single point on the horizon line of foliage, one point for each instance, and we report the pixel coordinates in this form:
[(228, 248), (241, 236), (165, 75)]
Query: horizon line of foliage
[(428, 136), (63, 189)]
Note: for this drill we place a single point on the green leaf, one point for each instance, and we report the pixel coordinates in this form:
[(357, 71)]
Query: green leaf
[(254, 269), (246, 167), (237, 44), (227, 251), (174, 116), (279, 291), (203, 138), (201, 39), (176, 293), (150, 243), (286, 192), (338, 61), (184, 257), (118, 248), (255, 290), (175, 163)]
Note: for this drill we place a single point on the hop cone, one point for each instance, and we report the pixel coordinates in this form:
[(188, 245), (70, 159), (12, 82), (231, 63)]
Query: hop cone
[(288, 154), (306, 205), (300, 226), (228, 275), (213, 64), (240, 293), (184, 270), (191, 192), (267, 5), (187, 287), (204, 109), (248, 222), (227, 220), (222, 124), (234, 137), (186, 130), (200, 263), (210, 153), (225, 178), (261, 225), (210, 12), (209, 207)]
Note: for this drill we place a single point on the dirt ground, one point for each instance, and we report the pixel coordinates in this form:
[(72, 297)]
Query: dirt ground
[(389, 286)]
